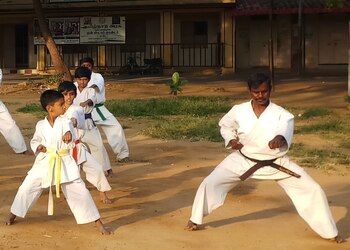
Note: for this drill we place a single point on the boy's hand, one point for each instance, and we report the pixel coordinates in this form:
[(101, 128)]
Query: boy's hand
[(86, 103), (67, 137), (74, 122), (41, 148), (235, 144)]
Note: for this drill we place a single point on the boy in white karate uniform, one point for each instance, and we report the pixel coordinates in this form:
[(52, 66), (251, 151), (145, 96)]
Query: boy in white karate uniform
[(54, 166), (93, 170), (101, 115), (10, 130), (260, 133), (86, 98)]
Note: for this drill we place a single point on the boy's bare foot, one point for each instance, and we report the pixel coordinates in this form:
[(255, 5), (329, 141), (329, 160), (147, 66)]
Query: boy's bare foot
[(191, 226), (337, 239), (109, 173), (101, 227), (27, 152), (10, 220), (104, 198)]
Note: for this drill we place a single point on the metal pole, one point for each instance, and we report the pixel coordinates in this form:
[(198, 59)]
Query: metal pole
[(271, 66), (300, 41)]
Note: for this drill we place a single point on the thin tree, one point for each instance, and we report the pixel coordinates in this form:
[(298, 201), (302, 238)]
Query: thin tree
[(57, 60)]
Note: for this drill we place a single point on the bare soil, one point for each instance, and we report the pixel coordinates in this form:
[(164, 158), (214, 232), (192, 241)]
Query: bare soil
[(153, 194)]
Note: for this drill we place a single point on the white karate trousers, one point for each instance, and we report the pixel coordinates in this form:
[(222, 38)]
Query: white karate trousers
[(93, 140), (77, 195), (306, 195), (95, 174), (10, 130), (115, 135)]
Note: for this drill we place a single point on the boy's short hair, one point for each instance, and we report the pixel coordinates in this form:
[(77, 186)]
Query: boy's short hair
[(67, 86), (49, 97), (87, 60), (82, 72)]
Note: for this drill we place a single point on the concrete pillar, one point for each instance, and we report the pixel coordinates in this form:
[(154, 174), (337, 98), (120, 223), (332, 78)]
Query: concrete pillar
[(167, 36), (102, 56), (41, 51), (228, 26)]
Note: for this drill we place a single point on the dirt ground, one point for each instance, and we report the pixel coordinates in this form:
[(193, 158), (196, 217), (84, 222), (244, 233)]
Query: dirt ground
[(153, 194)]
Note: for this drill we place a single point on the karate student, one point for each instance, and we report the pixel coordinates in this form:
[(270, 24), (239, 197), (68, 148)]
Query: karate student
[(260, 134), (10, 130), (54, 166), (93, 170), (86, 98), (109, 124)]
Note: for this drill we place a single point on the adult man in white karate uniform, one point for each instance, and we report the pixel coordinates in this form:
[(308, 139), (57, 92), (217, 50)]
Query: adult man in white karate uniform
[(260, 133), (101, 115), (10, 130)]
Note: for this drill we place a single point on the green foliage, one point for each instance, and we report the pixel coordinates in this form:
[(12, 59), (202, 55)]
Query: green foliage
[(176, 84), (54, 79), (347, 99), (334, 3), (184, 105)]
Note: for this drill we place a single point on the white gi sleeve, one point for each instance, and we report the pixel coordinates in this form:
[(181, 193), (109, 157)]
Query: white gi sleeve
[(229, 125)]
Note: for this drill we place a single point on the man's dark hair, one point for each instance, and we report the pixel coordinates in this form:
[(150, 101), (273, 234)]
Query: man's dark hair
[(67, 86), (255, 80), (49, 97), (82, 72), (86, 60)]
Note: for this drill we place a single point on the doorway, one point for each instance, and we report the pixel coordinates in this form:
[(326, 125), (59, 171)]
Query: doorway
[(21, 43)]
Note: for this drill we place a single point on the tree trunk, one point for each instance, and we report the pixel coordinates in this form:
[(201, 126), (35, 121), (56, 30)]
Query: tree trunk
[(57, 61)]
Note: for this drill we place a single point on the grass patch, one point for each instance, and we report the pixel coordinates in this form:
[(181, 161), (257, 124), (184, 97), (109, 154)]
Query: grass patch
[(323, 127), (315, 112), (184, 105), (186, 128), (34, 109), (318, 158)]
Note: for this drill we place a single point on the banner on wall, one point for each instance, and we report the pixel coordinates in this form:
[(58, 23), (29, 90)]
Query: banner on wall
[(102, 30), (84, 30), (63, 30)]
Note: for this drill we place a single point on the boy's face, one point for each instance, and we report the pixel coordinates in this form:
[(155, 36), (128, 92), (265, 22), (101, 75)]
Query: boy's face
[(57, 108), (82, 82), (87, 65), (69, 96)]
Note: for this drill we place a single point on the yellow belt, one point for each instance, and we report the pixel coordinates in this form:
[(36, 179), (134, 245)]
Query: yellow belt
[(55, 161)]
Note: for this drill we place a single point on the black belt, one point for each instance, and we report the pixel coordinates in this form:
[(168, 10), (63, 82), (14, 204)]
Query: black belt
[(259, 164), (89, 116)]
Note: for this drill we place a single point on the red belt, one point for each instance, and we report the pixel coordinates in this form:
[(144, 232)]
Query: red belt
[(75, 151)]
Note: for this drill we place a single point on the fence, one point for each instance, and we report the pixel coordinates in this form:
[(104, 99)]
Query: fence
[(116, 55)]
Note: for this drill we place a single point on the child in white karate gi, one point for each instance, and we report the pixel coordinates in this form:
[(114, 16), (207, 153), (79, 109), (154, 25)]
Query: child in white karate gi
[(101, 115), (10, 130), (54, 166), (93, 170), (86, 98)]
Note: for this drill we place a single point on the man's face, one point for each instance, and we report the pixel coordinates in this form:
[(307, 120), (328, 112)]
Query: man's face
[(261, 95), (82, 82), (87, 65), (69, 96)]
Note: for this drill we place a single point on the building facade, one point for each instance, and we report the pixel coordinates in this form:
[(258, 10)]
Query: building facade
[(221, 34)]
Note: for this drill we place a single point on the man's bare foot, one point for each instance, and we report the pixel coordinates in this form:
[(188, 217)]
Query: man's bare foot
[(124, 160), (337, 239), (191, 226), (109, 173), (10, 220), (101, 228), (104, 198)]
